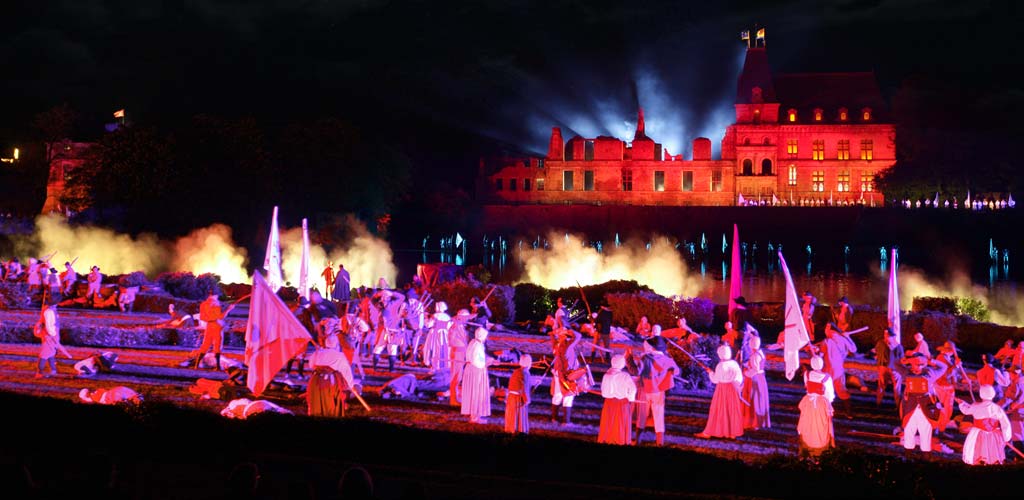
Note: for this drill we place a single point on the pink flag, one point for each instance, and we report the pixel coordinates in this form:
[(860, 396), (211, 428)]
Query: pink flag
[(795, 332), (894, 298), (273, 335), (735, 271)]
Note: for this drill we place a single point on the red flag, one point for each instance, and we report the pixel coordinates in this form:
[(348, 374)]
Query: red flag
[(735, 272), (273, 335)]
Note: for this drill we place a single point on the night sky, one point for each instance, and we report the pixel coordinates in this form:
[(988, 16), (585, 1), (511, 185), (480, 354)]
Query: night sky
[(440, 76)]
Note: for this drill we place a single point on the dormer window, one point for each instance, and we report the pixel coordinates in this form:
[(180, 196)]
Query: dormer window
[(843, 114), (818, 114), (792, 115), (765, 141), (755, 95), (865, 114)]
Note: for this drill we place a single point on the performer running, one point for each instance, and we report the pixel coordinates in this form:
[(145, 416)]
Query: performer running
[(815, 424), (755, 389), (618, 391), (657, 370), (990, 431), (725, 418), (476, 388), (517, 411)]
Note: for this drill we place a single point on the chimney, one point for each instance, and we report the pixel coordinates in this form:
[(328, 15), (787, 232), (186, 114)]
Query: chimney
[(640, 126), (556, 148)]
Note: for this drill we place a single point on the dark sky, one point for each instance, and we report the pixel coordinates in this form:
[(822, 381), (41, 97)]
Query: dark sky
[(424, 71)]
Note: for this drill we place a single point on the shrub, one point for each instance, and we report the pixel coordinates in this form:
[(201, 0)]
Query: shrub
[(458, 293), (969, 306), (138, 278), (693, 375), (533, 302), (14, 295), (940, 304), (627, 308), (189, 286)]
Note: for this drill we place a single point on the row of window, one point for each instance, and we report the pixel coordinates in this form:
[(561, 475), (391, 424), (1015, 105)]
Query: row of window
[(867, 181), (844, 114), (867, 148)]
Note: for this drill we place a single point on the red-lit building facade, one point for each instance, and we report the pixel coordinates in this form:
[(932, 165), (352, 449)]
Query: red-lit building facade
[(65, 157), (800, 139)]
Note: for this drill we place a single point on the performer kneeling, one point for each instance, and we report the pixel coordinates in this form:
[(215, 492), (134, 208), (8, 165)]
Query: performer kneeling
[(517, 411), (332, 378), (986, 441), (815, 424), (618, 390), (725, 419)]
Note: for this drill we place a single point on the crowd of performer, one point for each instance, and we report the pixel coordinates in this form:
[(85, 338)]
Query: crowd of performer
[(408, 327)]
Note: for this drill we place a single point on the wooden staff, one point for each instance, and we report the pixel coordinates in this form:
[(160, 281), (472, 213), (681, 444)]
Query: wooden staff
[(484, 300), (360, 398)]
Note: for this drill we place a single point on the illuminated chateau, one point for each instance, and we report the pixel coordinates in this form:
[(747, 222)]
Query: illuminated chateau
[(798, 139)]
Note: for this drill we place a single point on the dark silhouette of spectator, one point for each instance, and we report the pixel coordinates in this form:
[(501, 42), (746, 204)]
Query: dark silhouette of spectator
[(355, 484)]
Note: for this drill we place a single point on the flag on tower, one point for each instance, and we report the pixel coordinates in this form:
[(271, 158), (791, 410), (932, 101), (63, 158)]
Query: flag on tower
[(760, 34), (744, 35), (119, 113)]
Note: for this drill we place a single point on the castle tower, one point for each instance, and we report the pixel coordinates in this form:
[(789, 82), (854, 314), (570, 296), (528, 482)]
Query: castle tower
[(556, 146)]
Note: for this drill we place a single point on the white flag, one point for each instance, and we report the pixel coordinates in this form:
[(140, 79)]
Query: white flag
[(795, 332), (741, 201), (272, 261), (893, 313), (304, 280)]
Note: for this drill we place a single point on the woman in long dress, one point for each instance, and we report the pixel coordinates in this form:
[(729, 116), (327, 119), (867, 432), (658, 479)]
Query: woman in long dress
[(755, 389), (618, 390), (725, 418), (517, 403), (990, 431), (815, 424), (476, 390)]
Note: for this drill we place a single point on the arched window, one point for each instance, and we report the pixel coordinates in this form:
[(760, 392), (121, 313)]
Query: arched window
[(844, 114), (792, 115), (766, 167), (746, 141), (765, 141), (818, 113), (748, 167), (865, 114)]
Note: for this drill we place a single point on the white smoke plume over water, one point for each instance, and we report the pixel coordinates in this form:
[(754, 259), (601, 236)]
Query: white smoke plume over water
[(211, 250), (914, 283), (366, 257), (568, 260), (114, 253)]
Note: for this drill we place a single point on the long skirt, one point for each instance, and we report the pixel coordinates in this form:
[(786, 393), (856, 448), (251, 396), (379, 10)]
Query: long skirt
[(984, 447), (517, 414), (815, 424), (1017, 426), (616, 421), (755, 391), (476, 392), (325, 396), (725, 419)]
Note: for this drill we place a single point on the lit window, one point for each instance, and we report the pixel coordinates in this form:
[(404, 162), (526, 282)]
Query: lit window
[(817, 114), (497, 184), (818, 181), (627, 179), (688, 180), (588, 180), (843, 114), (792, 148), (843, 182), (792, 175), (792, 115), (540, 184), (526, 184), (844, 149), (716, 180), (866, 149), (512, 184), (567, 180), (818, 150), (659, 180), (867, 182), (865, 114)]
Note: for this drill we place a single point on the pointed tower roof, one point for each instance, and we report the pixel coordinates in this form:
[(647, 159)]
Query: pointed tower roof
[(640, 134), (756, 73)]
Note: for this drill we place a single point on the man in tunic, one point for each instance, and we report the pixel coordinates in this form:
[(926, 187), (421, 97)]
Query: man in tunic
[(740, 316), (211, 312), (95, 280), (619, 391), (990, 431), (47, 329), (68, 279), (835, 348), (603, 322), (844, 315), (517, 412), (888, 353), (561, 315), (807, 311), (566, 354), (657, 370), (725, 418), (328, 275), (917, 408), (815, 425), (945, 386), (389, 329), (476, 387), (480, 311), (920, 346)]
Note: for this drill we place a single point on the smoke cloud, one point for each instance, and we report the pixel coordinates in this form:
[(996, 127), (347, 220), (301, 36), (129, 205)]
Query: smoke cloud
[(914, 283), (211, 250), (569, 261), (366, 257), (114, 253)]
